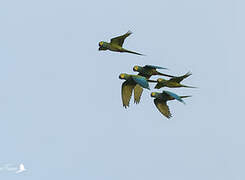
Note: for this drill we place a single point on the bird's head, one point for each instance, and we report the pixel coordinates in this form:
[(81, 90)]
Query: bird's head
[(137, 68), (159, 80), (123, 76), (102, 45), (155, 94)]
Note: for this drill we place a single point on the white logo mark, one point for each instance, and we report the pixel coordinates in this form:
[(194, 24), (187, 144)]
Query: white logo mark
[(21, 168)]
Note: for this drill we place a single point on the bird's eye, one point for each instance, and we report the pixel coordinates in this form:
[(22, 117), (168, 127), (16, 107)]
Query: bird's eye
[(101, 43)]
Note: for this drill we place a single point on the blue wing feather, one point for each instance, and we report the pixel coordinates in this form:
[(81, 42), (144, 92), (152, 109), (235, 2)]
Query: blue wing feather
[(175, 96), (154, 67), (141, 81)]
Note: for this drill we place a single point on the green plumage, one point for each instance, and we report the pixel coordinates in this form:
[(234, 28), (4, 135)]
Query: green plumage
[(116, 44), (138, 90), (133, 82), (147, 71), (160, 102), (173, 82)]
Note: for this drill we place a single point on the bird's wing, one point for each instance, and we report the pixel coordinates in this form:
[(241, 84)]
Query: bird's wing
[(120, 39), (158, 85), (162, 107), (137, 93), (127, 89), (178, 79), (142, 81), (153, 67), (175, 96)]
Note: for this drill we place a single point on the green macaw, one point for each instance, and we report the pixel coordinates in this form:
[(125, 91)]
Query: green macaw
[(129, 85), (147, 71), (116, 44), (173, 82), (161, 101)]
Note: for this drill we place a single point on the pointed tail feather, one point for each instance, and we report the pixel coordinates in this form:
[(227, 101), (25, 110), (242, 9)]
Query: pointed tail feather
[(153, 81), (133, 52), (185, 96), (187, 74), (189, 86), (129, 32), (172, 98), (162, 74)]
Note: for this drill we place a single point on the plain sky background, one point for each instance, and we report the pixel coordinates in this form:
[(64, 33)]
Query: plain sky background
[(60, 98)]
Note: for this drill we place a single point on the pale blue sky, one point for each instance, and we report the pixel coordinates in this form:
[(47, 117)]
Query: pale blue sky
[(60, 102)]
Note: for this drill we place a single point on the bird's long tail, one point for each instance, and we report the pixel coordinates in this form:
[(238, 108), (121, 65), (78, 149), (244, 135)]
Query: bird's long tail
[(172, 98), (162, 74), (125, 50), (149, 80), (188, 86), (185, 96), (181, 78), (187, 75)]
